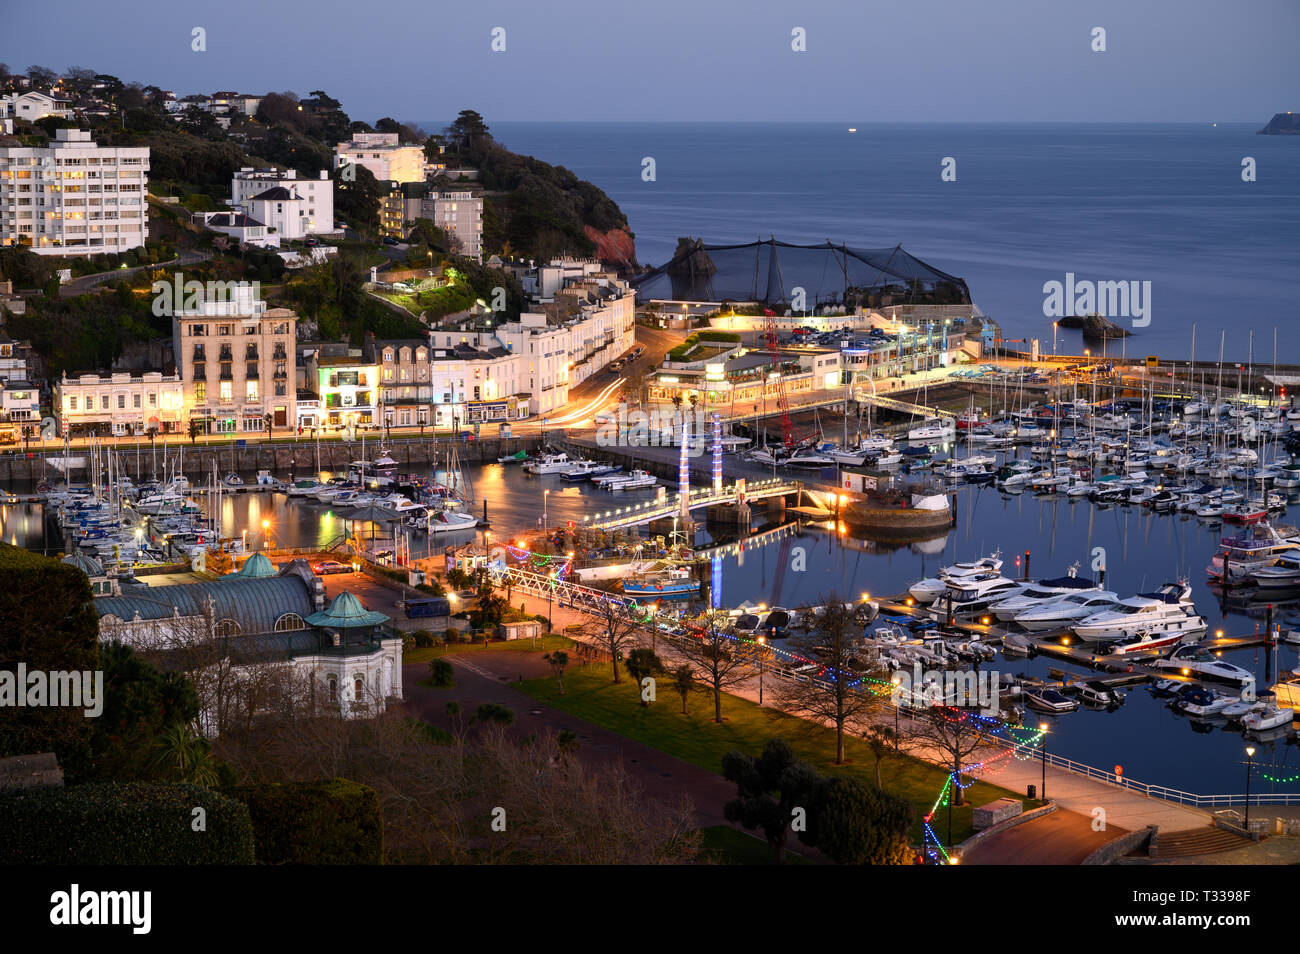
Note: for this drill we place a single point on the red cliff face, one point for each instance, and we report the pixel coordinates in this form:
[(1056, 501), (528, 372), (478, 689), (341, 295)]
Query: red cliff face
[(615, 247)]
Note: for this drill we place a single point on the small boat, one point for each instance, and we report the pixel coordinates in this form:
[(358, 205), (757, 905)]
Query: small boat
[(672, 583), (233, 480), (1049, 700), (516, 458), (264, 479), (636, 480), (548, 464), (582, 470), (305, 487), (1268, 716), (1095, 693), (1200, 701)]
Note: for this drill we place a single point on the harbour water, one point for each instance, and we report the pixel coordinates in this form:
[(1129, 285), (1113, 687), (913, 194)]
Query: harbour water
[(1141, 551), (1158, 203)]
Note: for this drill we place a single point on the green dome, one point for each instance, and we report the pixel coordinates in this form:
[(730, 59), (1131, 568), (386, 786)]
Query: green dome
[(346, 612), (87, 565), (257, 567)]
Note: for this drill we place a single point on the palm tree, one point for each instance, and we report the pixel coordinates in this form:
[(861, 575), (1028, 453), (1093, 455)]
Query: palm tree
[(682, 682), (269, 420), (188, 755), (558, 659), (196, 428)]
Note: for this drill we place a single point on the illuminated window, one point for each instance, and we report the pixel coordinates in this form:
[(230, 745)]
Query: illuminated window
[(251, 390), (227, 391)]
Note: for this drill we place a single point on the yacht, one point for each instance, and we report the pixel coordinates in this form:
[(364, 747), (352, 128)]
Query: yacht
[(1096, 693), (1043, 591), (1168, 609), (1200, 662), (971, 597), (581, 470), (928, 590), (1065, 610), (548, 464), (1255, 548), (1146, 643), (446, 521), (1199, 701), (934, 429), (1267, 716), (305, 487)]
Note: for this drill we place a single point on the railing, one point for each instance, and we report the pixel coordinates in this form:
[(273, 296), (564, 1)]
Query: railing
[(653, 509), (1159, 791)]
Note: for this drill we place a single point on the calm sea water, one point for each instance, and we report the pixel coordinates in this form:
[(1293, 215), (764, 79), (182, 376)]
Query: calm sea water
[(1163, 203)]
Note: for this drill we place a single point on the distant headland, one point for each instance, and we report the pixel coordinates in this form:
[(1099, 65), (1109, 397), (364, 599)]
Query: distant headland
[(1283, 124)]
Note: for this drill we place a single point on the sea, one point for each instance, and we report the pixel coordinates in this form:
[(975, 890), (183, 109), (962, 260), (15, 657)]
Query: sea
[(1164, 204)]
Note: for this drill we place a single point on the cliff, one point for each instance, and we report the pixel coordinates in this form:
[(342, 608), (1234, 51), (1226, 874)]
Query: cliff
[(615, 247), (1283, 124)]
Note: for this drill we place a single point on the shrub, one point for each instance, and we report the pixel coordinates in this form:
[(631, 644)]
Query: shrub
[(333, 822), (424, 639), (441, 674), (138, 823)]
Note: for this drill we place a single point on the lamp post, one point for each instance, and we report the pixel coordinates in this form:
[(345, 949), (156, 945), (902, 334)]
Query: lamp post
[(762, 641), (545, 522), (1043, 792), (266, 534), (1250, 764)]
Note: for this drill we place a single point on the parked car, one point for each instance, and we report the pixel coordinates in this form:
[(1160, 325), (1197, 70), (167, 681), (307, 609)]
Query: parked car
[(330, 566)]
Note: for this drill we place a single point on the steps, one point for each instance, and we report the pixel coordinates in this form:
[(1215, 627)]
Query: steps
[(1197, 841)]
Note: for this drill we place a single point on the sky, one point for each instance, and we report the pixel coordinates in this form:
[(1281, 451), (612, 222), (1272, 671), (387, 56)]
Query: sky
[(700, 60)]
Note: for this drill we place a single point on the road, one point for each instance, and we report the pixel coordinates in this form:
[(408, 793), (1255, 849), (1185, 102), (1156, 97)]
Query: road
[(88, 283)]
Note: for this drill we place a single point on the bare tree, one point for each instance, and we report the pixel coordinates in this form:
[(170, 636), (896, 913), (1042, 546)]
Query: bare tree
[(836, 695), (613, 630), (718, 658), (955, 736)]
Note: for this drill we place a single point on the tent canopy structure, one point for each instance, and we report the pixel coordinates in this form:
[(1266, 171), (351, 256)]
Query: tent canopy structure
[(769, 272)]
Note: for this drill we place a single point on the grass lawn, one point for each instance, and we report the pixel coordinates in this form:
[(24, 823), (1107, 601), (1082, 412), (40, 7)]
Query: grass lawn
[(545, 644), (730, 846), (696, 738)]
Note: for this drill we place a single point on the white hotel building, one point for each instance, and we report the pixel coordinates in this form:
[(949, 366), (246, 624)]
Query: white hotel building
[(74, 197), (120, 404), (279, 200)]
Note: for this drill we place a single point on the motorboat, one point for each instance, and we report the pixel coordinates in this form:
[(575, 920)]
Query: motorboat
[(1170, 608), (1255, 548), (1097, 693), (1049, 700), (1200, 701), (305, 487), (1145, 643), (1268, 716), (971, 597), (636, 480), (1043, 591), (1283, 574), (934, 429), (928, 590), (233, 480), (448, 521), (1065, 610), (548, 464), (1200, 662)]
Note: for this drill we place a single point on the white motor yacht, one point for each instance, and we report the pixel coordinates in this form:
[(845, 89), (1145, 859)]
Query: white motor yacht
[(928, 590), (971, 597), (1065, 610), (1200, 662), (548, 464), (1170, 608), (1040, 592)]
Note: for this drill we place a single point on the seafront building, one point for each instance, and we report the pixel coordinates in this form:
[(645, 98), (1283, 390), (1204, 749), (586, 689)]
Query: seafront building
[(235, 359), (119, 404), (458, 212), (73, 196)]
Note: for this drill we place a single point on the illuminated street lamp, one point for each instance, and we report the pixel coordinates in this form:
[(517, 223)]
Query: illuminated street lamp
[(266, 534), (762, 641), (1043, 793), (1250, 764)]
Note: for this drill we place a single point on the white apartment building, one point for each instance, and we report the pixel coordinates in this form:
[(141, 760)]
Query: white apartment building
[(293, 207), (236, 363), (119, 404), (383, 155), (74, 197)]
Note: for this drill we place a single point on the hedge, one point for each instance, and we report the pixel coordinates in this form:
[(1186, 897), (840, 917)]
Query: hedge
[(330, 822), (136, 823)]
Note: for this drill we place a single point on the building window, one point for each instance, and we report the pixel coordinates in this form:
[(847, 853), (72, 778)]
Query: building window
[(121, 402), (228, 627), (290, 621), (251, 390), (200, 391), (72, 404), (227, 391), (135, 400), (358, 687)]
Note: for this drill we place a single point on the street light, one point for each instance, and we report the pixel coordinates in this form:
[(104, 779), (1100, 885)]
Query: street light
[(1250, 756), (266, 534), (545, 494), (1043, 792), (762, 641)]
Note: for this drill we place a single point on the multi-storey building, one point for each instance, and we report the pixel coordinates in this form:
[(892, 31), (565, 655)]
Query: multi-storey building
[(236, 361), (346, 387), (74, 197), (385, 157), (293, 207), (459, 213), (119, 404), (404, 374)]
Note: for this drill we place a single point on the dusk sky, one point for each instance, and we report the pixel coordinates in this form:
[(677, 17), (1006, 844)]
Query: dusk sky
[(920, 60)]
